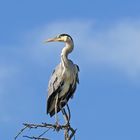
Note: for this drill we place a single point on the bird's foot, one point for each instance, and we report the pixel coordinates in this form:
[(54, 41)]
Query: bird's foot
[(57, 126), (67, 124)]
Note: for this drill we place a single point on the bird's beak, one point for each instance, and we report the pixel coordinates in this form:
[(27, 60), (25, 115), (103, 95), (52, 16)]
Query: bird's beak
[(52, 40)]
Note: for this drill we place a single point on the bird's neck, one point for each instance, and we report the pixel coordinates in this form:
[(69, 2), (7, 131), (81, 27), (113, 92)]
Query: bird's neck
[(65, 51)]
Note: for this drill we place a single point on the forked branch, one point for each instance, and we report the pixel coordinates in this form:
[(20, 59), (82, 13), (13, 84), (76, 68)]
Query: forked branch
[(69, 132)]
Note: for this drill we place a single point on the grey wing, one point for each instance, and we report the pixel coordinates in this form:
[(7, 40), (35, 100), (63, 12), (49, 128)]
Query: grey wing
[(54, 87), (73, 85), (77, 71)]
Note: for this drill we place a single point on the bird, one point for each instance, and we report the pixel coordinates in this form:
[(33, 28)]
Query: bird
[(64, 79)]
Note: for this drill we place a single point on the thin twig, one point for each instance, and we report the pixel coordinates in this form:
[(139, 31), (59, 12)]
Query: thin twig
[(44, 133), (73, 133), (35, 138), (21, 132)]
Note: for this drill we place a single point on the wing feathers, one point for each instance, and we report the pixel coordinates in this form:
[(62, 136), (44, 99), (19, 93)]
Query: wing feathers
[(65, 87)]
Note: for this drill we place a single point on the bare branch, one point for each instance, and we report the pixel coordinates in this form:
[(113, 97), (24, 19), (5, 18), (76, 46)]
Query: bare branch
[(69, 132)]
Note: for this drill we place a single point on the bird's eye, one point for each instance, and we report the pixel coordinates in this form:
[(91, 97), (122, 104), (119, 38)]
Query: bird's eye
[(59, 36)]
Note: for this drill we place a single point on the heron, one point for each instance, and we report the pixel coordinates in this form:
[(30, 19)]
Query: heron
[(63, 81)]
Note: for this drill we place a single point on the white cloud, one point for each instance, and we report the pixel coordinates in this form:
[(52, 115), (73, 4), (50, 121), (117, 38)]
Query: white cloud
[(40, 52), (117, 46)]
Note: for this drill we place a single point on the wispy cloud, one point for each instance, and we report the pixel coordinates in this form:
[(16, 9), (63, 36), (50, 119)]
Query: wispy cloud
[(116, 46)]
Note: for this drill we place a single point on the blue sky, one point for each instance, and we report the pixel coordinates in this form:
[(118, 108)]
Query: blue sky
[(107, 50)]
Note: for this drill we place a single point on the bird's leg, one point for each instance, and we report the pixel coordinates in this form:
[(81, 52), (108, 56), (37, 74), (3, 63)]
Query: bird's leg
[(56, 115), (66, 117), (69, 114)]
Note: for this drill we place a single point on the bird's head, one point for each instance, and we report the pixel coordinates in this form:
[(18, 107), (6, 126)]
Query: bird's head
[(61, 38)]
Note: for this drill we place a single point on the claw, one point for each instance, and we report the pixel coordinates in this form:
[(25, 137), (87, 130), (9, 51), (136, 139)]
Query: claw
[(57, 126), (67, 124)]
